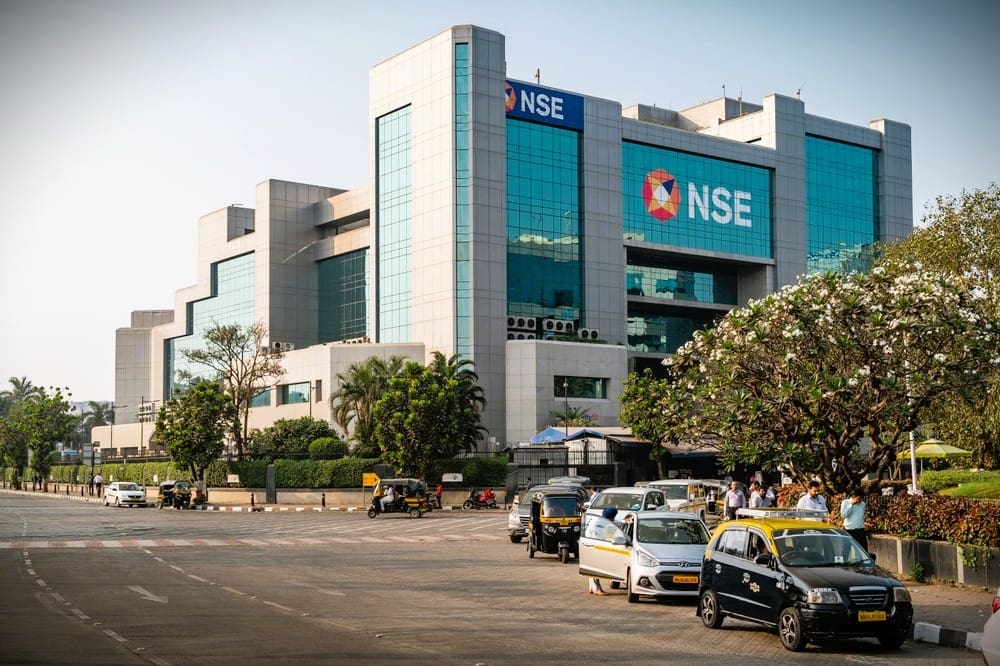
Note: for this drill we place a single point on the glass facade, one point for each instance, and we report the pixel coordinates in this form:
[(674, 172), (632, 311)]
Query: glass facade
[(660, 333), (463, 285), (841, 205), (681, 285), (231, 302), (394, 197), (544, 254), (262, 399), (342, 296), (675, 198)]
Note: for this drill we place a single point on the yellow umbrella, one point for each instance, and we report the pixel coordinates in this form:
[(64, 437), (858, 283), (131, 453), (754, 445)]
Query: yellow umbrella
[(935, 448)]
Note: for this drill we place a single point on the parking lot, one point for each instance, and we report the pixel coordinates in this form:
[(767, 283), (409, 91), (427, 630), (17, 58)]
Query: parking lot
[(336, 587)]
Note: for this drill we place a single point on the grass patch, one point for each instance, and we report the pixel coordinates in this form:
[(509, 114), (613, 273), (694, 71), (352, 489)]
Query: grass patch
[(975, 490)]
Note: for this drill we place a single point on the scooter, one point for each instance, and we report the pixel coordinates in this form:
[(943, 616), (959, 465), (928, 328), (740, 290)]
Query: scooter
[(485, 501)]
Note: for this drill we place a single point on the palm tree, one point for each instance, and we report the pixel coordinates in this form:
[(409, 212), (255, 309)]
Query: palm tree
[(23, 390), (468, 394), (361, 385)]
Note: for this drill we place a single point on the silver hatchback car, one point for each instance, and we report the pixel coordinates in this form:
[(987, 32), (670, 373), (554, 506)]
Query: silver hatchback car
[(658, 554)]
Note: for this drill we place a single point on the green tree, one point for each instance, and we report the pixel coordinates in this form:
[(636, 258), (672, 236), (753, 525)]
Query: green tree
[(289, 438), (21, 390), (961, 238), (49, 420), (641, 411), (429, 413), (798, 378), (353, 403), (243, 364), (192, 425)]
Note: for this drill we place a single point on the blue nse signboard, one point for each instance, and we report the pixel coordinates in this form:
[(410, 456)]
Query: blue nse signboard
[(675, 198), (552, 107)]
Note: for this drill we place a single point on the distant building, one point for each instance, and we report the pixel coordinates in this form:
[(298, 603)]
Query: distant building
[(556, 239)]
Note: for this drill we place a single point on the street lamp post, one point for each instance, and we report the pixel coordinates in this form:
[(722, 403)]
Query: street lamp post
[(566, 405), (94, 446)]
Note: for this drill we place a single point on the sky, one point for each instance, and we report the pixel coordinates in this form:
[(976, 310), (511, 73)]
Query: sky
[(123, 122)]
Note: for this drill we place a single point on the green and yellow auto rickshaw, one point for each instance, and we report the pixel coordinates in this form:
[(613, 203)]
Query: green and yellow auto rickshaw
[(174, 493), (554, 527), (409, 497)]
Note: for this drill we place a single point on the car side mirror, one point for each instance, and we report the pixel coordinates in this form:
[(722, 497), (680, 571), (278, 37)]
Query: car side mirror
[(586, 505), (764, 559), (872, 555)]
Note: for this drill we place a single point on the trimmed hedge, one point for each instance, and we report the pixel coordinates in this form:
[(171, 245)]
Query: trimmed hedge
[(957, 520), (936, 481)]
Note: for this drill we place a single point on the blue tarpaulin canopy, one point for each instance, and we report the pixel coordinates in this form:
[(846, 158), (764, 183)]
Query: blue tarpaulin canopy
[(553, 435)]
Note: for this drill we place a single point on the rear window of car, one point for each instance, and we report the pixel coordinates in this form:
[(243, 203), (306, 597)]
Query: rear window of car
[(620, 501)]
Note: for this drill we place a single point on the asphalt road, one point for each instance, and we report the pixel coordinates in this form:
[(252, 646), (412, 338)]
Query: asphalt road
[(85, 584)]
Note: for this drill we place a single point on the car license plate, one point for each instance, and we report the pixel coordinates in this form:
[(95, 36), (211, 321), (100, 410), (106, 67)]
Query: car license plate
[(685, 579), (871, 616)]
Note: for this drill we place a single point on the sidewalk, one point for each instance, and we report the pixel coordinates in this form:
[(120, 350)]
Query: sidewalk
[(950, 615)]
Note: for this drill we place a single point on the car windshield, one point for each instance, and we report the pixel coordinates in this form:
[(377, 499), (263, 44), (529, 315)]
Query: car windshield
[(671, 530), (675, 492), (182, 485), (127, 486), (557, 507), (819, 548), (620, 501)]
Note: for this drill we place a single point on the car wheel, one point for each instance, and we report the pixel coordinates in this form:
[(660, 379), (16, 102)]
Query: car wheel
[(415, 512), (790, 629), (372, 512), (708, 608), (514, 538), (892, 641), (531, 550), (564, 555), (105, 500), (118, 502), (632, 596)]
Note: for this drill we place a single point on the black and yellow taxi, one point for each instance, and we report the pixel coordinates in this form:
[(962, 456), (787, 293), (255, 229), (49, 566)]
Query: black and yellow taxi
[(807, 579)]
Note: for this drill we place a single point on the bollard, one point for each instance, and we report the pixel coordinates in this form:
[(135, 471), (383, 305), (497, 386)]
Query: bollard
[(322, 500), (81, 491), (251, 499), (67, 490)]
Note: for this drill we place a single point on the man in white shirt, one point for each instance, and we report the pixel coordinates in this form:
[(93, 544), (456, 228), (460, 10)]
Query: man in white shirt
[(389, 497), (812, 500), (735, 499)]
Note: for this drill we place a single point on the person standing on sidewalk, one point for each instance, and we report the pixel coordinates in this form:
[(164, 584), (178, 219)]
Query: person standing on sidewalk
[(735, 499), (852, 511), (98, 482)]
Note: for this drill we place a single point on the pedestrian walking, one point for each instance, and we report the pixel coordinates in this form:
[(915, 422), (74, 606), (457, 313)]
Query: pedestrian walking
[(91, 485), (98, 482), (852, 511)]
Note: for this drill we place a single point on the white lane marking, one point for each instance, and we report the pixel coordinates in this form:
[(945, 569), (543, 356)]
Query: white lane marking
[(284, 608), (176, 568), (41, 583), (118, 637), (31, 572), (147, 595), (321, 590), (79, 613), (197, 578), (229, 589)]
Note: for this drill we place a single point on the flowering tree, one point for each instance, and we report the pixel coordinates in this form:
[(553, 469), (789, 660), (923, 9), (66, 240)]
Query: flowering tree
[(798, 378)]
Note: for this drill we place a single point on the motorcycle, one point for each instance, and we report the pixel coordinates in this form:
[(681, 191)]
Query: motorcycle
[(485, 501)]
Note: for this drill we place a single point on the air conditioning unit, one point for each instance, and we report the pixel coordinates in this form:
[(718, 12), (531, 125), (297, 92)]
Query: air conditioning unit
[(288, 346), (570, 326), (530, 336), (277, 346), (531, 323), (521, 323), (583, 333), (511, 335), (549, 325), (594, 334), (512, 322)]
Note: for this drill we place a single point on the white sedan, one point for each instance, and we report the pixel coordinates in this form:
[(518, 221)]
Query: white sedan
[(991, 635), (658, 555), (124, 493)]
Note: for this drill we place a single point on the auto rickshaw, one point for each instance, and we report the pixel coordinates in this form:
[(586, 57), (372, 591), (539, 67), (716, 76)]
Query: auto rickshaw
[(411, 498), (554, 527), (174, 493)]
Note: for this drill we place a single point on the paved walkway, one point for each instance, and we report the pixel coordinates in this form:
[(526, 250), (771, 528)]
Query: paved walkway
[(951, 615)]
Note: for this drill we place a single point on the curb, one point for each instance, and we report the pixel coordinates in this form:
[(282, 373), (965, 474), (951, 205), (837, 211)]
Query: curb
[(955, 638)]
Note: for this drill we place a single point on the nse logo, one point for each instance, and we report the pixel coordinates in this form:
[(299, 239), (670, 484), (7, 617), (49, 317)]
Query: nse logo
[(661, 193), (552, 107)]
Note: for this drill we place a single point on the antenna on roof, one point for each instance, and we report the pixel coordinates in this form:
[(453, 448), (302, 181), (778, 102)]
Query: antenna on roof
[(538, 76), (723, 90), (798, 92)]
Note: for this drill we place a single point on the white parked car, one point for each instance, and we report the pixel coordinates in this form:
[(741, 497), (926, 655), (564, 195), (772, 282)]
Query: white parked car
[(124, 493), (991, 635), (658, 555), (687, 495), (625, 498)]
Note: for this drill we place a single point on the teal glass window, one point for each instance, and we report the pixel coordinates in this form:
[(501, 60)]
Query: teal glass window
[(289, 394), (593, 388), (343, 296), (544, 253), (660, 333), (670, 284), (463, 284), (262, 399), (394, 203), (231, 303), (675, 198), (841, 206)]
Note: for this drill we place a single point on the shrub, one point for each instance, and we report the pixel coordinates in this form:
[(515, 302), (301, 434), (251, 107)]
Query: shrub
[(327, 448), (961, 521), (936, 481)]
